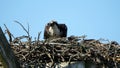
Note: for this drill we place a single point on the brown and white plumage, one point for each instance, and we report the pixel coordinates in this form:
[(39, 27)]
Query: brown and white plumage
[(53, 29)]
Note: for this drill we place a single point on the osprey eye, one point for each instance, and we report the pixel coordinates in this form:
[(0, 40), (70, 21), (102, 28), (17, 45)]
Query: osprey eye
[(48, 24)]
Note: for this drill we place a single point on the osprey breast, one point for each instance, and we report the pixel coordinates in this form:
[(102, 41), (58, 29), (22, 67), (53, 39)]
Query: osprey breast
[(54, 31)]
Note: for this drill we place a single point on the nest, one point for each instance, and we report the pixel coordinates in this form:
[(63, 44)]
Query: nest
[(39, 53)]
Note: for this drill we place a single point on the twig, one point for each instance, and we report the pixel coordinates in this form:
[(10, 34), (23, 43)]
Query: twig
[(29, 34), (38, 37), (9, 34), (57, 44), (22, 27), (27, 31)]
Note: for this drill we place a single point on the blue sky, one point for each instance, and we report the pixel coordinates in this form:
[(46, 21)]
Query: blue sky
[(94, 18)]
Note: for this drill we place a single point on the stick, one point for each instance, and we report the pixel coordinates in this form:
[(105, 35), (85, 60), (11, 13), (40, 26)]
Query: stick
[(9, 34)]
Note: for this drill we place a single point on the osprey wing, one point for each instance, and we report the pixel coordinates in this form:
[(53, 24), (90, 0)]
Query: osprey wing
[(63, 30)]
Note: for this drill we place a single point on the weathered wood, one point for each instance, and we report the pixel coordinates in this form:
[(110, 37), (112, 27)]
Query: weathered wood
[(7, 53)]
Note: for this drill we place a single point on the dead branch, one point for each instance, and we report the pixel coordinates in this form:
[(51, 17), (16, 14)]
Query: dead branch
[(38, 37), (22, 27), (9, 34), (27, 31)]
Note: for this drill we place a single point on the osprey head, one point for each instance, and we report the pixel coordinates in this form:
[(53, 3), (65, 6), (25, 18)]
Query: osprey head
[(53, 23)]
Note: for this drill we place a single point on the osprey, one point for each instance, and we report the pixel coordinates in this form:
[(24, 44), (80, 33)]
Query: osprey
[(55, 30)]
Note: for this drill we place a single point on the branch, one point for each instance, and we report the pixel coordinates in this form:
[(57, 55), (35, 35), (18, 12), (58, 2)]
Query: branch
[(22, 27), (9, 34), (27, 31)]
